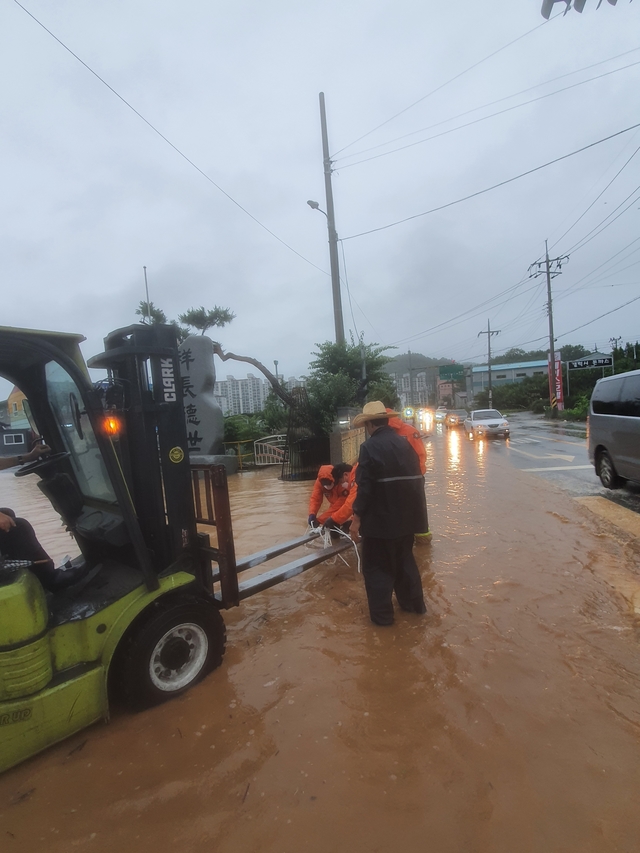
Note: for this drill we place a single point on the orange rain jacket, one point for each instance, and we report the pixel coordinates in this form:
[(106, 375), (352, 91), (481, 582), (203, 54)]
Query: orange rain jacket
[(413, 437), (344, 511), (335, 496)]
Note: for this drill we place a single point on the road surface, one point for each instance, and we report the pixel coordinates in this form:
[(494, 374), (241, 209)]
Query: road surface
[(507, 720)]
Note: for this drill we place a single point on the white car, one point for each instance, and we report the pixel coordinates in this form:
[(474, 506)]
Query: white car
[(486, 422), (441, 413)]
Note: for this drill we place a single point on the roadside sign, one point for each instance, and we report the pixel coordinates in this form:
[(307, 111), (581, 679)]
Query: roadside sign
[(556, 394), (592, 361), (451, 372)]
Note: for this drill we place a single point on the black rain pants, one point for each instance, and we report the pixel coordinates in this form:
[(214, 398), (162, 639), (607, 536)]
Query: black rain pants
[(388, 566)]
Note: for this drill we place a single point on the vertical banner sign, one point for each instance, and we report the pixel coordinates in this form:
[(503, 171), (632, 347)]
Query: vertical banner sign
[(556, 394)]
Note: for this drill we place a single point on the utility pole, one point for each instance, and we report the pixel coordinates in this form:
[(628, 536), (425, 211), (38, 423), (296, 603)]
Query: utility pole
[(331, 225), (551, 268), (410, 381), (488, 333), (614, 346)]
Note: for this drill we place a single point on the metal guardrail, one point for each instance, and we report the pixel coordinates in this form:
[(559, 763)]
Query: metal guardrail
[(245, 457), (270, 450)]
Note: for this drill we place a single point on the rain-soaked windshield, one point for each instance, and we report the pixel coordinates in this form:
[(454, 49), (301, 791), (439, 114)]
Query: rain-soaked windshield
[(483, 414), (77, 434)]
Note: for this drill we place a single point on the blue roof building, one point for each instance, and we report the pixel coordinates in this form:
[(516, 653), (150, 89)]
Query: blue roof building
[(506, 374)]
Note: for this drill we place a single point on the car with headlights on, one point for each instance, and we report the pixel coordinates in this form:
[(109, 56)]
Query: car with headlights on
[(485, 423), (456, 418), (441, 413)]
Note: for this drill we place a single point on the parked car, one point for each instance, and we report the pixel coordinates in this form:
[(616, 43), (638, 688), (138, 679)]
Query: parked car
[(486, 422), (456, 418), (441, 413), (614, 429)]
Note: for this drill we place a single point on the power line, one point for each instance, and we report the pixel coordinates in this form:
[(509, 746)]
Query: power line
[(575, 286), (466, 315), (494, 186), (606, 314), (571, 227), (346, 281), (442, 86), (485, 118), (491, 104), (168, 141), (588, 238)]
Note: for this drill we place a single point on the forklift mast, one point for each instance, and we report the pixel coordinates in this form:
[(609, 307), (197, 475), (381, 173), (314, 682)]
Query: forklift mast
[(144, 394)]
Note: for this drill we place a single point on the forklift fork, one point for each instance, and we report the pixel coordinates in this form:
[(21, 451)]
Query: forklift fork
[(211, 500)]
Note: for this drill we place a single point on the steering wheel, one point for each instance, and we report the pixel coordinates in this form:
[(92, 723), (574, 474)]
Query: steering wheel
[(41, 463)]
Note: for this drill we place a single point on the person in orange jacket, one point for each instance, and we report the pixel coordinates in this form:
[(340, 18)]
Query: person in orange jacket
[(413, 437), (342, 512), (415, 440), (328, 485)]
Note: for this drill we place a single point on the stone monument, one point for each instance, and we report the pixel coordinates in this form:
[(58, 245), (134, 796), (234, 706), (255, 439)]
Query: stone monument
[(203, 416)]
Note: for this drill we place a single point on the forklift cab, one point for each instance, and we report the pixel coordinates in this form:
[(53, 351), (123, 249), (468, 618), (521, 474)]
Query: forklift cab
[(142, 623)]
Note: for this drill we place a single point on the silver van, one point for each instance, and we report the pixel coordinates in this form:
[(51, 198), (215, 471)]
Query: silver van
[(614, 429)]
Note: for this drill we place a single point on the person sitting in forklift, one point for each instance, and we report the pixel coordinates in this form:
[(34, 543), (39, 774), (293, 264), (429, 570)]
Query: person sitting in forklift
[(328, 485), (18, 540)]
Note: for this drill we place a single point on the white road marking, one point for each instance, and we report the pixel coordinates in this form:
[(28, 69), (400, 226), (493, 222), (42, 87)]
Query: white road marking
[(561, 468), (563, 456)]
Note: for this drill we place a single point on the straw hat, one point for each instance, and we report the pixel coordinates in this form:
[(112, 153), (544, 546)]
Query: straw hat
[(371, 412)]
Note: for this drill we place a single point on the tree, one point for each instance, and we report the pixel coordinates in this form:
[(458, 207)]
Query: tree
[(572, 352), (516, 395), (150, 314), (200, 318), (327, 394), (278, 389), (626, 358), (275, 415), (336, 379), (516, 354)]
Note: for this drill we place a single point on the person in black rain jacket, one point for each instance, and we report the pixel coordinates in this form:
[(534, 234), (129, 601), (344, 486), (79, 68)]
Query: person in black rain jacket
[(389, 509)]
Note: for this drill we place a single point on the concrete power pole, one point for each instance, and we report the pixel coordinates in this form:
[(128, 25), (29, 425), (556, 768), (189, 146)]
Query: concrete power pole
[(331, 225), (488, 333), (551, 268)]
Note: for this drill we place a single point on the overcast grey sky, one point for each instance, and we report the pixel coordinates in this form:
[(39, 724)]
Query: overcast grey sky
[(91, 194)]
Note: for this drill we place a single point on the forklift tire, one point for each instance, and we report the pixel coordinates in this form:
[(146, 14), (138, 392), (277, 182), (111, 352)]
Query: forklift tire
[(175, 646)]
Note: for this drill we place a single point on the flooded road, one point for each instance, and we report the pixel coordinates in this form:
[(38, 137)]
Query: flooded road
[(507, 719)]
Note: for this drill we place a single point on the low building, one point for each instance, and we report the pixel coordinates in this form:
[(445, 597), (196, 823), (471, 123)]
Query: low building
[(15, 431), (506, 374)]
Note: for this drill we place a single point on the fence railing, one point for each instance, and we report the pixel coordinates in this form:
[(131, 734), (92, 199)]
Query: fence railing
[(243, 450), (270, 450)]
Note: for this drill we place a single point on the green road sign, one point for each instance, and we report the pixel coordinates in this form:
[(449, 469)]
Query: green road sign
[(451, 372)]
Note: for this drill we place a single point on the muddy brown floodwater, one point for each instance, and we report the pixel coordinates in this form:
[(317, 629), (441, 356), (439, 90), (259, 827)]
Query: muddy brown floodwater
[(507, 720)]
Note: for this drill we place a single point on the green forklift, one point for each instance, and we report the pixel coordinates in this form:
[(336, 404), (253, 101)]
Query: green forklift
[(141, 620)]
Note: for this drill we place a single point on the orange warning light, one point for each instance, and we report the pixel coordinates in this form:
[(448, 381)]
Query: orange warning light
[(112, 426)]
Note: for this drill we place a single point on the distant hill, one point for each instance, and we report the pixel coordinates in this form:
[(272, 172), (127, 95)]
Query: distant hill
[(401, 363)]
